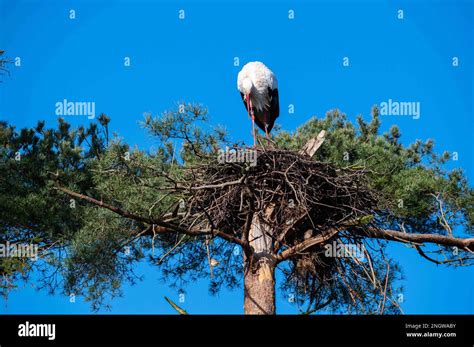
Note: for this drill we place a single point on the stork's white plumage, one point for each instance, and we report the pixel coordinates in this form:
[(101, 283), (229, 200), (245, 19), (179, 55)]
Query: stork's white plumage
[(258, 87)]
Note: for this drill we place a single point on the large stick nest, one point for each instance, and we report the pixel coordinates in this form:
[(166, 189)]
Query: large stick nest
[(304, 194), (296, 196)]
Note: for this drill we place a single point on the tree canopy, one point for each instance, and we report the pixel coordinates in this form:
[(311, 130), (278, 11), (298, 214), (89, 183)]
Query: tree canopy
[(96, 206)]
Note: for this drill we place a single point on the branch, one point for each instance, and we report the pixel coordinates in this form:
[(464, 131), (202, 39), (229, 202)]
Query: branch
[(313, 144), (393, 235), (423, 254), (112, 208), (443, 220), (390, 235), (160, 226), (302, 246), (221, 185), (284, 233)]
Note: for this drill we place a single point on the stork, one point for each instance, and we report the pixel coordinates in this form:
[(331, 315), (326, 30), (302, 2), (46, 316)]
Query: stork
[(258, 87)]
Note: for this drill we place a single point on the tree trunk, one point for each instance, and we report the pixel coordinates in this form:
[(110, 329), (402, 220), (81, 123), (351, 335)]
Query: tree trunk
[(259, 287), (259, 271)]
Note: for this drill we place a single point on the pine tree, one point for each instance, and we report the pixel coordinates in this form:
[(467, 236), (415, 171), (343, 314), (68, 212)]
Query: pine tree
[(95, 207)]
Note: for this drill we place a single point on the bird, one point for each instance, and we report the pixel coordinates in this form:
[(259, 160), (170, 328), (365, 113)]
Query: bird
[(258, 87)]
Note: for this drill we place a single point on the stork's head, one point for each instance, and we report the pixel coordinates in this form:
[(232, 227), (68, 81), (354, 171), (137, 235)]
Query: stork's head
[(247, 86), (246, 89)]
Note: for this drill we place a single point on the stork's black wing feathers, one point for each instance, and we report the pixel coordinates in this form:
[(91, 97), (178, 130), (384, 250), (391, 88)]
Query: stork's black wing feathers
[(271, 113), (245, 103), (274, 103), (268, 116)]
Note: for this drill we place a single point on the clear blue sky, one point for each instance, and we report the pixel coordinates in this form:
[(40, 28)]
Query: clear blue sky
[(193, 60)]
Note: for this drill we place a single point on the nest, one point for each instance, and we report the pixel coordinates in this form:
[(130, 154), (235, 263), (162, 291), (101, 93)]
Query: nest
[(305, 197), (297, 198)]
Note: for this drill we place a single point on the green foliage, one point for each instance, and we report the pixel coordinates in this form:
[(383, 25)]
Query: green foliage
[(90, 251), (405, 177), (96, 268)]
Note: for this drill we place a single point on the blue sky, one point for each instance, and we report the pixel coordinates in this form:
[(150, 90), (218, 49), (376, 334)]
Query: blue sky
[(172, 60)]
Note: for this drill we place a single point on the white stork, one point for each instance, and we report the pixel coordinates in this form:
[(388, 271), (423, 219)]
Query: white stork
[(258, 87)]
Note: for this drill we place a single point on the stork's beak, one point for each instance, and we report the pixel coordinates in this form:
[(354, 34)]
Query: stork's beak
[(247, 101)]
